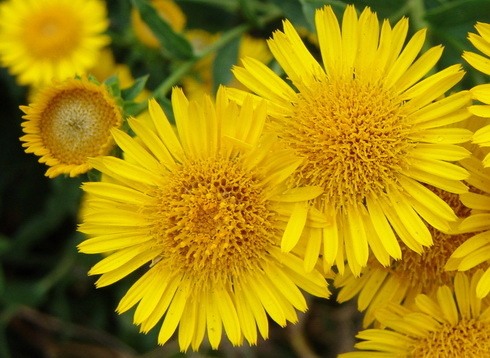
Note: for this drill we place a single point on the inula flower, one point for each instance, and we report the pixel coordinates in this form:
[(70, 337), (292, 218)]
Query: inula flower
[(204, 210), (414, 274), (453, 324), (41, 40), (370, 130), (476, 250), (70, 122), (481, 92)]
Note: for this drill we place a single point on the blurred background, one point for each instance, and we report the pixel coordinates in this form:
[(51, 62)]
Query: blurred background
[(49, 307)]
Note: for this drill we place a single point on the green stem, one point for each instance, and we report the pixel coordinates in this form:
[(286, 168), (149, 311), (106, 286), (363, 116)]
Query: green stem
[(227, 4), (162, 90), (417, 14), (417, 17), (63, 266)]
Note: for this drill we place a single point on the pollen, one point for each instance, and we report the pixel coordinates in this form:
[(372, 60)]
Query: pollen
[(76, 125), (470, 337), (354, 136), (212, 220), (52, 34)]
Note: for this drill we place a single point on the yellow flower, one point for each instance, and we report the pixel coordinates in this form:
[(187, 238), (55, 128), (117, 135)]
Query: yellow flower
[(207, 207), (481, 92), (168, 10), (69, 122), (476, 250), (370, 130), (414, 274), (41, 40), (453, 324)]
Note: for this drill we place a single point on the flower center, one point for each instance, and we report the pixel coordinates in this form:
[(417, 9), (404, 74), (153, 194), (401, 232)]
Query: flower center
[(354, 136), (52, 33), (213, 221), (469, 338), (75, 124)]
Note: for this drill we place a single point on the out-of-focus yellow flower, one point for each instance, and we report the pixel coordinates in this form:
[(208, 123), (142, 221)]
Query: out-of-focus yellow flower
[(42, 40)]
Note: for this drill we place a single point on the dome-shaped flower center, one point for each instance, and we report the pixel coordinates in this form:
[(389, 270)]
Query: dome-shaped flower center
[(354, 136), (213, 221), (469, 338), (52, 33), (75, 124)]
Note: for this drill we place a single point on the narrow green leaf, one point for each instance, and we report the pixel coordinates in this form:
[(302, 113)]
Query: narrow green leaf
[(225, 58), (458, 12), (173, 44), (113, 86), (130, 93), (132, 109), (293, 11), (310, 6)]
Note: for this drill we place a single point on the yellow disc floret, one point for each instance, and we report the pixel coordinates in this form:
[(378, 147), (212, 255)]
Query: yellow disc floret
[(354, 136), (213, 219)]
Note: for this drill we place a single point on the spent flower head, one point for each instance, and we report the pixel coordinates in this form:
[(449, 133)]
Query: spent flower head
[(69, 122)]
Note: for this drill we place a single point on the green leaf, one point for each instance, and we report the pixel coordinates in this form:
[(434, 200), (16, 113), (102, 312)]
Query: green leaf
[(27, 293), (132, 109), (310, 6), (225, 58), (130, 93), (113, 86), (459, 12), (173, 44), (5, 243), (293, 11)]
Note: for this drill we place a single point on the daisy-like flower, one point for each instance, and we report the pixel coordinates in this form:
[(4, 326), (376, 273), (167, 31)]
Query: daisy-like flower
[(453, 324), (70, 122), (481, 92), (476, 250), (370, 130), (207, 207), (42, 40), (404, 279)]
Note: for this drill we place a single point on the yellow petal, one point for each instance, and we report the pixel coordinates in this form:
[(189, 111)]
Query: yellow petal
[(294, 227), (174, 313)]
